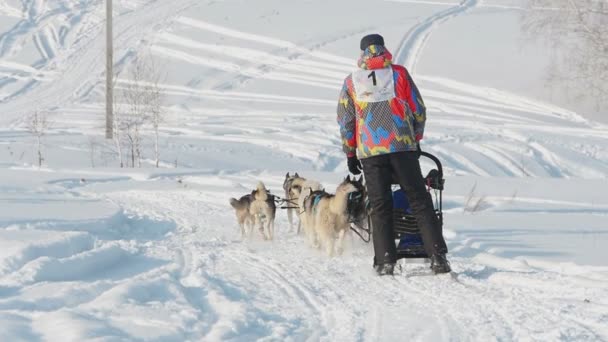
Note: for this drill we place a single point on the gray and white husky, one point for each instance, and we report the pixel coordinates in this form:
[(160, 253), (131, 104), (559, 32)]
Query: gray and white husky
[(293, 186), (257, 209), (327, 217)]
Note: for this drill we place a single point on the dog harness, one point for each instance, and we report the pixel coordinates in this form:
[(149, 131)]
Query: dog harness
[(316, 197)]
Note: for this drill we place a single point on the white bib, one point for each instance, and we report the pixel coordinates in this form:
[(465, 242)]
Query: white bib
[(374, 85)]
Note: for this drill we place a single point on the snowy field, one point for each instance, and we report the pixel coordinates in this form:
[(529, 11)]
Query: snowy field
[(89, 251)]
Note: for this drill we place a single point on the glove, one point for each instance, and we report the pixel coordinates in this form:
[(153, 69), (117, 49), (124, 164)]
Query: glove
[(354, 165)]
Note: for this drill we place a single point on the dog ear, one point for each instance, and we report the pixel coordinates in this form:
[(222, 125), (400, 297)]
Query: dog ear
[(287, 175), (297, 175)]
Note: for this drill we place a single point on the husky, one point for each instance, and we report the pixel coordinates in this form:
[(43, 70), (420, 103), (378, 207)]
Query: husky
[(293, 186), (263, 209), (243, 217), (256, 210), (326, 216)]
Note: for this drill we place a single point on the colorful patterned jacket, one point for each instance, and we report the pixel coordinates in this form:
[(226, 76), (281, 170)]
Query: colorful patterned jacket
[(380, 109)]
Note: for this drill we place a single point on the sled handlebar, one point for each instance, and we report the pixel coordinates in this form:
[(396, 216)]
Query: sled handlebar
[(434, 159)]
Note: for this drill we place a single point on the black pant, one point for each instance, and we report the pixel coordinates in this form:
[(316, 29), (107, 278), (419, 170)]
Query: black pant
[(404, 168)]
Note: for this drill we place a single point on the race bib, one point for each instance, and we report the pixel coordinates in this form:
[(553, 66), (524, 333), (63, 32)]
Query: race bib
[(374, 85)]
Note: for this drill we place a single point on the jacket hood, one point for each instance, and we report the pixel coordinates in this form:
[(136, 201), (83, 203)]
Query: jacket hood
[(375, 57)]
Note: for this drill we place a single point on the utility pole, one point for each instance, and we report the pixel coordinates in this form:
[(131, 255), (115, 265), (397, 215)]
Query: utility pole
[(109, 73)]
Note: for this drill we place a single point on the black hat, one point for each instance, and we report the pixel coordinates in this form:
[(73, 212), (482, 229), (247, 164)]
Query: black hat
[(371, 39)]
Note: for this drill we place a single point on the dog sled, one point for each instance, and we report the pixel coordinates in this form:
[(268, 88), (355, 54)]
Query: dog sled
[(406, 230)]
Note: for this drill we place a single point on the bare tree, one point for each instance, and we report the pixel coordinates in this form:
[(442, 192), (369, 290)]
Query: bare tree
[(142, 99), (38, 124), (135, 100), (156, 111), (154, 98), (577, 32), (117, 136), (92, 150)]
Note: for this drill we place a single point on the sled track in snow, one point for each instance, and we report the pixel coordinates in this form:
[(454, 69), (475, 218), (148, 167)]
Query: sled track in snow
[(213, 286), (317, 288), (413, 42)]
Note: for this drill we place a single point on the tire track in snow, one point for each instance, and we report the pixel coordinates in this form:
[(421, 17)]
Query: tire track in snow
[(504, 99), (273, 281), (252, 37), (280, 277), (331, 314), (444, 294), (33, 18), (317, 73), (413, 42), (325, 71), (540, 302), (480, 97), (84, 65), (341, 313), (8, 10), (249, 73), (458, 161), (337, 305), (233, 95), (46, 43), (509, 166), (504, 305)]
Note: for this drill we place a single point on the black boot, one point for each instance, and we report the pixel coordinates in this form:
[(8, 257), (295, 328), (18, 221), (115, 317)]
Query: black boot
[(384, 269), (440, 264)]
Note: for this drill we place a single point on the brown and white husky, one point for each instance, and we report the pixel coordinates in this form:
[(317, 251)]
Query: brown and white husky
[(257, 209), (327, 217), (293, 186)]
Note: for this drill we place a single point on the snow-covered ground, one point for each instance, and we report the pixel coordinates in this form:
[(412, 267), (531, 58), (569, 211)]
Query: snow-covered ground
[(89, 251)]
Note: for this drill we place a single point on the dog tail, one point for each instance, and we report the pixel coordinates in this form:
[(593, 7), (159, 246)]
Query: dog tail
[(315, 186), (236, 204), (262, 193)]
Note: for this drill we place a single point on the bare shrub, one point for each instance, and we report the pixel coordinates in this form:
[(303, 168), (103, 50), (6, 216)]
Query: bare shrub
[(474, 203), (141, 106), (38, 125)]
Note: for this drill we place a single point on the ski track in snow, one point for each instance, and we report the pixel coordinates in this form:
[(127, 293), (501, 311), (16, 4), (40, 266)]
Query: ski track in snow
[(156, 255)]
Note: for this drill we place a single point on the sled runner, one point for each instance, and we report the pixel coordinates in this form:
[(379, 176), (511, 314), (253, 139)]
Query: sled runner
[(406, 230)]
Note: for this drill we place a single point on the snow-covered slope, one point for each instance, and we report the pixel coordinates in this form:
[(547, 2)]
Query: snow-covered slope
[(92, 252)]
